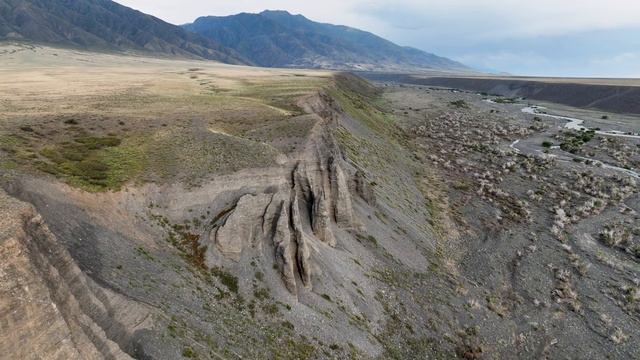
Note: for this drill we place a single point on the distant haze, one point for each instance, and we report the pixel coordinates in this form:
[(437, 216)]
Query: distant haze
[(546, 37)]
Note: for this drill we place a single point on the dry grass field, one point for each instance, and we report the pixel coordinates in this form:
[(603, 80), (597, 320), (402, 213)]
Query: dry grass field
[(99, 120)]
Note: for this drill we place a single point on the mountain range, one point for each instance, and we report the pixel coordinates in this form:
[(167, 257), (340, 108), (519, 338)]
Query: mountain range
[(280, 39), (104, 25), (269, 39)]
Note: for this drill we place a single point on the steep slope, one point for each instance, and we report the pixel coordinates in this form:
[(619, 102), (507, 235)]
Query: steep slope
[(103, 25), (279, 39)]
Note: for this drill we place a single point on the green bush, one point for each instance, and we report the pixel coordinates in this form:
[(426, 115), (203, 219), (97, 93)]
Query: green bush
[(227, 279), (188, 352), (92, 169)]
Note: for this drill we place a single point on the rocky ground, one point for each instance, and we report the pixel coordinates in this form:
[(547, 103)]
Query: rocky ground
[(192, 210), (549, 233)]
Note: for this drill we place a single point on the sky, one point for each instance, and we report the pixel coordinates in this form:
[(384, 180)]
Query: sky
[(583, 38)]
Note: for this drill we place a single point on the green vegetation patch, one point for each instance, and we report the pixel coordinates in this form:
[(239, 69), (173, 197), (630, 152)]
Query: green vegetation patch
[(93, 163), (227, 279), (573, 141)]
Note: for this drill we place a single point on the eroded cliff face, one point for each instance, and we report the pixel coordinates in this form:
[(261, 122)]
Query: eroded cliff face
[(311, 203)]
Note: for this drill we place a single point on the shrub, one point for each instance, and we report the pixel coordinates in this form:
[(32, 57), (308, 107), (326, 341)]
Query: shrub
[(326, 297), (573, 142), (270, 309), (615, 235), (227, 279), (188, 352), (460, 104), (93, 169), (262, 294)]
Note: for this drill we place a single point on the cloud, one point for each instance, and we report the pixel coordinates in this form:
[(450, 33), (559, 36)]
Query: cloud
[(618, 59), (500, 18), (505, 59)]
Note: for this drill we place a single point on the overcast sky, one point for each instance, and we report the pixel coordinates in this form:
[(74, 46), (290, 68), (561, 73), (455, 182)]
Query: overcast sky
[(542, 37)]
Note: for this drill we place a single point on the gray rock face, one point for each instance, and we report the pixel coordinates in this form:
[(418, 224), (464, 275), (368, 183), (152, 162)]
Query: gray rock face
[(242, 226), (301, 239), (285, 249), (343, 212), (363, 188), (321, 220)]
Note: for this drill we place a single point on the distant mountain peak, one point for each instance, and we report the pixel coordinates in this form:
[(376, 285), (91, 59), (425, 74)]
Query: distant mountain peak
[(281, 12)]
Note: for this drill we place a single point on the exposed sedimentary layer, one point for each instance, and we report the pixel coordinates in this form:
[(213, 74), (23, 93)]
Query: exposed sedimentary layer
[(50, 304)]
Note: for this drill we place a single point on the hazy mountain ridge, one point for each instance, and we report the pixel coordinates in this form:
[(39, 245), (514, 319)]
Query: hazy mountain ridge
[(103, 25), (279, 39)]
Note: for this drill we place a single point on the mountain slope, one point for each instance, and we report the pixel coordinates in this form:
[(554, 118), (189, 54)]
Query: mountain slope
[(103, 25), (279, 39)]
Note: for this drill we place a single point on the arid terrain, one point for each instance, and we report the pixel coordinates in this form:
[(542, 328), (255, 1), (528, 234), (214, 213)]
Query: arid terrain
[(167, 209)]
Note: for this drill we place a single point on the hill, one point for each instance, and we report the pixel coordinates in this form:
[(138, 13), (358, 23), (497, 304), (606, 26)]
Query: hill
[(103, 25), (280, 39)]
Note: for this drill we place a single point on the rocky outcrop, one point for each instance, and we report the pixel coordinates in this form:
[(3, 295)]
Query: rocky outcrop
[(309, 205), (302, 248), (242, 225), (321, 220), (363, 188), (342, 210), (284, 259)]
